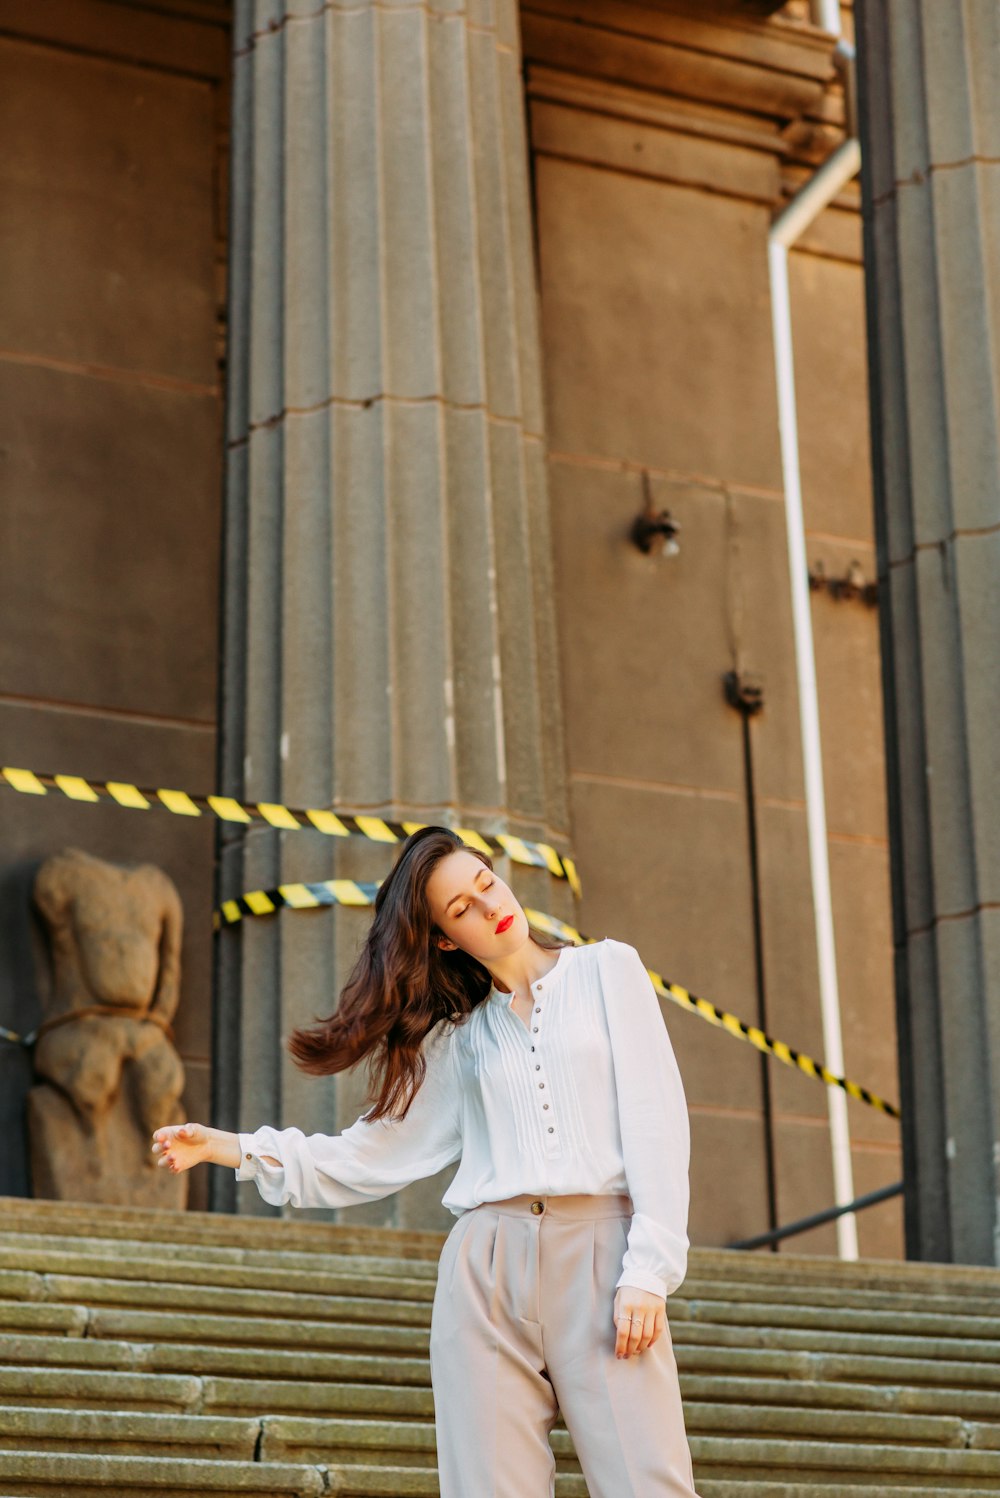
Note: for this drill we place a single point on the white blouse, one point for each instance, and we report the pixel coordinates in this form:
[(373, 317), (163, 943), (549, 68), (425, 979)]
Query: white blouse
[(589, 1099)]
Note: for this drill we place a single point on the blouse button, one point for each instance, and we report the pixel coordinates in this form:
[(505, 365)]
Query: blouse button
[(538, 1011), (537, 1066), (534, 1031), (541, 1084), (545, 1105), (551, 1129), (532, 1047), (249, 1157)]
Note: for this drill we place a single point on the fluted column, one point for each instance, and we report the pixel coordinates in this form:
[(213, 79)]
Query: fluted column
[(389, 625), (931, 141)]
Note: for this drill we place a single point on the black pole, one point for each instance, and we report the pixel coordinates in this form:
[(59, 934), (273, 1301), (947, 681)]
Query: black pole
[(747, 697)]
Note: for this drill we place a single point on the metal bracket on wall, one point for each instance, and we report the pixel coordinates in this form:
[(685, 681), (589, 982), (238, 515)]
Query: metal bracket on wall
[(745, 692), (852, 585), (651, 525)]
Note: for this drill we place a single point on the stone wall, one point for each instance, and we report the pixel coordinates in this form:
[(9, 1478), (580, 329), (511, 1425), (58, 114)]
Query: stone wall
[(113, 121), (663, 141)]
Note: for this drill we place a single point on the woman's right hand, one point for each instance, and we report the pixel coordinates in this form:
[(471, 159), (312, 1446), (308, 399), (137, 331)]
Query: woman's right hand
[(179, 1146)]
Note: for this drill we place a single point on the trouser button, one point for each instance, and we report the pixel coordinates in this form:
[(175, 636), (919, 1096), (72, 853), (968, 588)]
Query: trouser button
[(537, 1207)]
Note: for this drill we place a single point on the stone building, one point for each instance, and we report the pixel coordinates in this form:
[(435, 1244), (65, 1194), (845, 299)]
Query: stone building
[(342, 347)]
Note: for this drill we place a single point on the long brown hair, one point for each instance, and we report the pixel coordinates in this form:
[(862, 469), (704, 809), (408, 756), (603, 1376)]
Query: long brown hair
[(402, 983)]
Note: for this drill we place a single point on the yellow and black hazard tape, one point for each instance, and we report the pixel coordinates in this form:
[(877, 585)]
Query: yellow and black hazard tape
[(351, 892), (15, 1039), (348, 892), (285, 818)]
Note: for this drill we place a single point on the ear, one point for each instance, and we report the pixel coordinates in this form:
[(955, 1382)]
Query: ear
[(445, 944)]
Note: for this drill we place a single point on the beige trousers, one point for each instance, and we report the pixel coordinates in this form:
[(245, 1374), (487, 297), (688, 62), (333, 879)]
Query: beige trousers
[(521, 1329)]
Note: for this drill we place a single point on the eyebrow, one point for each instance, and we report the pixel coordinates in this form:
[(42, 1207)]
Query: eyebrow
[(483, 870)]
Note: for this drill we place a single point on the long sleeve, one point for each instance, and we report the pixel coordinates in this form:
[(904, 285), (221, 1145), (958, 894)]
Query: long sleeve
[(367, 1160), (655, 1130)]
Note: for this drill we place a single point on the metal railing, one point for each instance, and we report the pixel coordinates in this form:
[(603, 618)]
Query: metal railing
[(762, 1240)]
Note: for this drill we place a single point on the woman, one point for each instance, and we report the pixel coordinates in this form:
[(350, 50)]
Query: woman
[(547, 1071)]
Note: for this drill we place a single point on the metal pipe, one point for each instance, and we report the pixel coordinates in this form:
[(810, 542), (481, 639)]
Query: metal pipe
[(826, 14), (809, 202), (786, 229), (844, 60), (748, 701)]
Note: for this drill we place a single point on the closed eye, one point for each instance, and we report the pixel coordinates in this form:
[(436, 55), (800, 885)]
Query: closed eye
[(465, 907)]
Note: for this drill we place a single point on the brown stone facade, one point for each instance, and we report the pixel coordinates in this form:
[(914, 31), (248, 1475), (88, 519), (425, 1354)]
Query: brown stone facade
[(661, 140), (115, 120)]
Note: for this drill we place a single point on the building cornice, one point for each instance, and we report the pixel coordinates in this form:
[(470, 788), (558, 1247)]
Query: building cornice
[(774, 69), (692, 94)]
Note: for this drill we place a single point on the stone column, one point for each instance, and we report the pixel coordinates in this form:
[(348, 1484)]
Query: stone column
[(389, 630), (930, 86)]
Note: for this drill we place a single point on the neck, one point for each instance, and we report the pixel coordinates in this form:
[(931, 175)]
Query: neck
[(516, 973)]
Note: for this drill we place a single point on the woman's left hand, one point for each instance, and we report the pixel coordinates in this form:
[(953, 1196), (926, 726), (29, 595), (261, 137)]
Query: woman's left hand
[(649, 1317)]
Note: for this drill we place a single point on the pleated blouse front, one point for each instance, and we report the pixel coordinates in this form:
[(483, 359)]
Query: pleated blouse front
[(586, 1097)]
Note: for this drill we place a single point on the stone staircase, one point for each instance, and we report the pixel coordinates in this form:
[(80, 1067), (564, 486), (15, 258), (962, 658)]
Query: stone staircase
[(160, 1354)]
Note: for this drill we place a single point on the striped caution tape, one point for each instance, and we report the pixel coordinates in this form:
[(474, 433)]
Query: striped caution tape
[(15, 1039), (348, 892), (115, 1011), (285, 818)]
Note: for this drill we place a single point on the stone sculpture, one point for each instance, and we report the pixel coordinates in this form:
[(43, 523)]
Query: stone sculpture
[(107, 1073)]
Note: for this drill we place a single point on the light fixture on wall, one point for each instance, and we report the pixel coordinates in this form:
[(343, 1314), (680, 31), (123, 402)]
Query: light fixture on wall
[(654, 530)]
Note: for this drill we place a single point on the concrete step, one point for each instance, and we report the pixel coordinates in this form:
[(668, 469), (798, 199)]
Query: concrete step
[(298, 1234), (331, 1274), (809, 1469), (916, 1321), (182, 1353), (110, 1277), (37, 1386), (958, 1417), (376, 1334), (799, 1454), (84, 1431), (378, 1428), (903, 1343), (349, 1301), (315, 1274), (195, 1287), (713, 1406), (25, 1473), (204, 1329), (91, 1306), (273, 1362), (228, 1373), (932, 1468), (778, 1409), (731, 1393), (117, 1450), (935, 1298), (710, 1402), (235, 1362), (713, 1487)]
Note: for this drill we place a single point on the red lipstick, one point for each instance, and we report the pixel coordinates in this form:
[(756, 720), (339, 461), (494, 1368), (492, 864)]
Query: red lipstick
[(507, 921)]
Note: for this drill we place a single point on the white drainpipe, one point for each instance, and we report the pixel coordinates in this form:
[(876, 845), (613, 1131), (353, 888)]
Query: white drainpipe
[(786, 229), (826, 13)]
